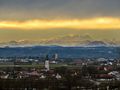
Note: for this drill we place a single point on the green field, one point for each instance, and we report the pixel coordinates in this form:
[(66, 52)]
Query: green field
[(38, 66)]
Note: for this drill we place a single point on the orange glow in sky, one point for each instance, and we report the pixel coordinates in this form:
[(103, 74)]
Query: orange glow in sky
[(92, 23)]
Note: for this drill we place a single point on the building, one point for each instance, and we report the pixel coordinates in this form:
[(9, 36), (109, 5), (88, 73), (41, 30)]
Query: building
[(47, 67)]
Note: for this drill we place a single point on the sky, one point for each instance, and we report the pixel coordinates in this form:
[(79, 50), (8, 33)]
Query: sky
[(46, 20)]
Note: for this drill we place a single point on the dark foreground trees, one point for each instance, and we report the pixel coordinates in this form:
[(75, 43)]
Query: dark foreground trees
[(54, 84)]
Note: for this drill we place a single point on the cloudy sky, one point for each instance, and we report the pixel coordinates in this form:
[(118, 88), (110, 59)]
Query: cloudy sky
[(58, 9), (42, 19)]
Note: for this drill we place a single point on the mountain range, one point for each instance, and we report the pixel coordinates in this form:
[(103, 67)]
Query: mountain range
[(68, 40)]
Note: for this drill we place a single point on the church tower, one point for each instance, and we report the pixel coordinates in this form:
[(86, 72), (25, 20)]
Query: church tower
[(47, 67)]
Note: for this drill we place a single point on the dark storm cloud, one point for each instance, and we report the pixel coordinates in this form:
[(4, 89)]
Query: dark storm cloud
[(27, 9)]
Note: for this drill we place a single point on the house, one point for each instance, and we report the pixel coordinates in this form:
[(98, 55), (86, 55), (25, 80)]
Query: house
[(116, 74)]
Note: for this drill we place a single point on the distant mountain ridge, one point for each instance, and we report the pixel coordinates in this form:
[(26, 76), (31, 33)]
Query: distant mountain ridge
[(68, 40), (95, 43), (58, 42)]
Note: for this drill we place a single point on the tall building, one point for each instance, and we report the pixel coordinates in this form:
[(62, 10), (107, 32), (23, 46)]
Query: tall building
[(56, 56), (47, 66), (54, 59)]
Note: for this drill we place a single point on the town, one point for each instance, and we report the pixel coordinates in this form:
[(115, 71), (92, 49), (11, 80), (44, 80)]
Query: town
[(54, 73)]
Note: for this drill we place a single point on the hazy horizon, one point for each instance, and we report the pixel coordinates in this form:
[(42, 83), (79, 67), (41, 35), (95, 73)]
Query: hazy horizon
[(59, 21)]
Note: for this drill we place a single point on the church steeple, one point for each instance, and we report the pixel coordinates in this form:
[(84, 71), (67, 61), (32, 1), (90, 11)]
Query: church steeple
[(47, 67), (47, 57)]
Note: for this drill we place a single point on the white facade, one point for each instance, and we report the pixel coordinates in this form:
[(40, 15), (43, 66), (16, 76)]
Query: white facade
[(56, 56), (47, 67)]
